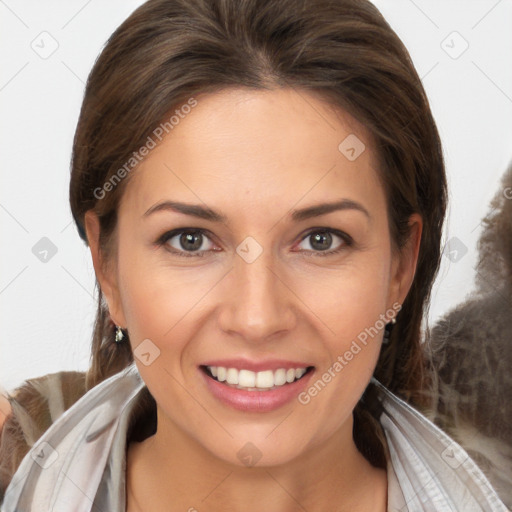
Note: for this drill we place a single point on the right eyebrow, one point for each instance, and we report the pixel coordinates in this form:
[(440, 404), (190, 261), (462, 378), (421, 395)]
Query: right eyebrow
[(195, 210)]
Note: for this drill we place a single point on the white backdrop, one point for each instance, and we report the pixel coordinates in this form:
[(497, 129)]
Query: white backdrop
[(46, 52)]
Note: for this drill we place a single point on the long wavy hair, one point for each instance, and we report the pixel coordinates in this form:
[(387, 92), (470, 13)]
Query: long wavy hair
[(344, 52)]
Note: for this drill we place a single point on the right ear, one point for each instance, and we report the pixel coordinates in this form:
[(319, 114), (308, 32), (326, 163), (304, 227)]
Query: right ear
[(106, 278)]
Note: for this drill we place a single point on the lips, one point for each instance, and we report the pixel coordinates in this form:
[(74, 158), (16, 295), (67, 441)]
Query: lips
[(265, 398)]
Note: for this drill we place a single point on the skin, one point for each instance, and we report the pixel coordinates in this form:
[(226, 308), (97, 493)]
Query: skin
[(254, 156)]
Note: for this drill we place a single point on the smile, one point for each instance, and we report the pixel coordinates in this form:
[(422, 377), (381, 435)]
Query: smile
[(256, 381), (255, 391)]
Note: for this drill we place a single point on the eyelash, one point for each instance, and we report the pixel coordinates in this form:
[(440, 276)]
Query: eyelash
[(161, 241)]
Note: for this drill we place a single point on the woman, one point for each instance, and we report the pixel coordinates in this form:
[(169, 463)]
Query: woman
[(262, 188)]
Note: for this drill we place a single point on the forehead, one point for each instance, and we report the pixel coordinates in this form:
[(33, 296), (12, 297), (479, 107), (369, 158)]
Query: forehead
[(257, 147)]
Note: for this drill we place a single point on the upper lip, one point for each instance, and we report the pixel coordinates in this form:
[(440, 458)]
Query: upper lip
[(256, 366)]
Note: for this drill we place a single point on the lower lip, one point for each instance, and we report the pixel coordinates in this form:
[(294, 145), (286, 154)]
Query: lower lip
[(256, 401)]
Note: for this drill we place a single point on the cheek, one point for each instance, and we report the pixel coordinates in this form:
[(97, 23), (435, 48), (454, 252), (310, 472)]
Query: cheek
[(165, 304), (349, 308), (152, 295), (156, 311), (349, 299)]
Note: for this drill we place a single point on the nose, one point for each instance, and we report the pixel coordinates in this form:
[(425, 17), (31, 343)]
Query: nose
[(258, 303)]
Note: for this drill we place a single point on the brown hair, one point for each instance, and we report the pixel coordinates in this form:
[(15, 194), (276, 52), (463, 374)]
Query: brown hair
[(345, 52)]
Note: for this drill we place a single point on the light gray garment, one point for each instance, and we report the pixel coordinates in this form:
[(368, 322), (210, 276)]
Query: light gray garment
[(79, 463)]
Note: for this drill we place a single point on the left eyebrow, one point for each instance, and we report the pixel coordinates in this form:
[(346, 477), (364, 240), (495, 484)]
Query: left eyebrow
[(202, 212), (325, 208)]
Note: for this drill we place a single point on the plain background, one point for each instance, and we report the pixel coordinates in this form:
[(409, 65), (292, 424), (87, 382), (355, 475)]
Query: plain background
[(46, 52)]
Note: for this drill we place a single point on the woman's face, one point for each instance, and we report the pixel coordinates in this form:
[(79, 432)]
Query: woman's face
[(272, 286)]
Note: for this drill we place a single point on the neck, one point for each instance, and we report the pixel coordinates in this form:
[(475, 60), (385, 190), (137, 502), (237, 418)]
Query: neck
[(172, 468)]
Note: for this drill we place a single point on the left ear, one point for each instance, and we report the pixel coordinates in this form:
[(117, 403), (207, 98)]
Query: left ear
[(404, 261)]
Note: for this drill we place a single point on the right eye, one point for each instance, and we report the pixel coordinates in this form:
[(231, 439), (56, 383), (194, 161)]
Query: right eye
[(186, 242)]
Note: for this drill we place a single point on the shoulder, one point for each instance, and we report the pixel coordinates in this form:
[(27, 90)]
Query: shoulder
[(28, 411), (419, 449), (38, 402), (87, 441)]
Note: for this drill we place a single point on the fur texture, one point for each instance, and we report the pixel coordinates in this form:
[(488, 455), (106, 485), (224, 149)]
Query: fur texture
[(35, 405), (472, 354)]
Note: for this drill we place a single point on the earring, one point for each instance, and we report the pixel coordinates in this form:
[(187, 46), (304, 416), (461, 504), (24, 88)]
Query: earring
[(119, 334), (388, 329)]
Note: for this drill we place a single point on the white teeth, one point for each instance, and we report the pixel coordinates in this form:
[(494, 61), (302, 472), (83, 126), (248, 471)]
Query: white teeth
[(232, 376), (221, 373), (247, 379), (279, 377), (265, 379), (299, 372)]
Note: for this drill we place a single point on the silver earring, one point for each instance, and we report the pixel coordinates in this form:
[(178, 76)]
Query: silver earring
[(119, 334)]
